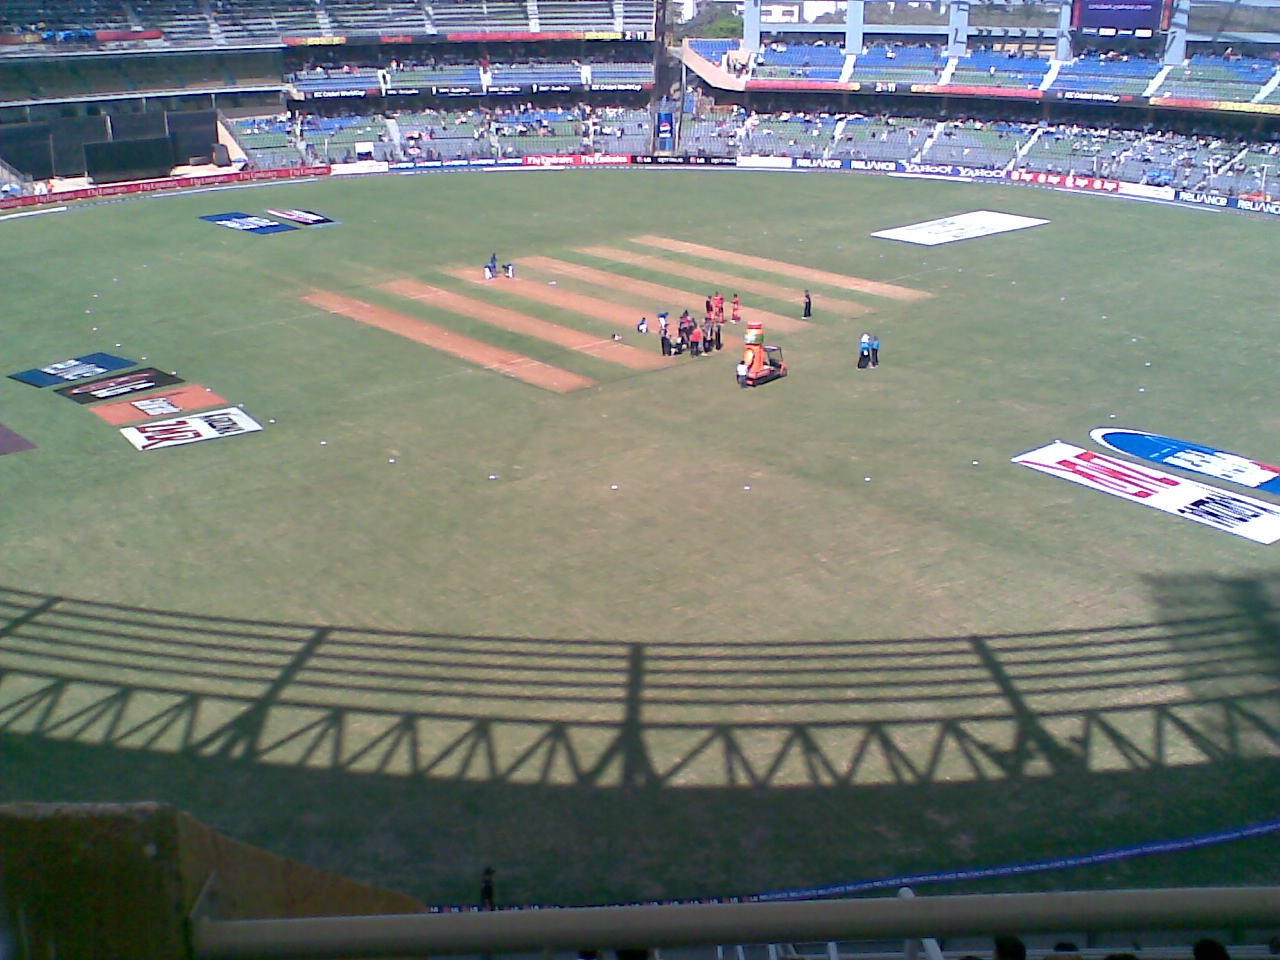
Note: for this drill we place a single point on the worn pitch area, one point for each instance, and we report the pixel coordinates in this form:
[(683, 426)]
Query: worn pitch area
[(722, 281), (663, 297), (455, 344), (890, 291), (516, 322)]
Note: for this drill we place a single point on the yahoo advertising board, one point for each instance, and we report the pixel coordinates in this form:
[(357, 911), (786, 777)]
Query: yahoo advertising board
[(1120, 15)]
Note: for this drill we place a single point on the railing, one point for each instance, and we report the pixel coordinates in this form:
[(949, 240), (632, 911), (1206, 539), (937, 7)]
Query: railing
[(708, 924)]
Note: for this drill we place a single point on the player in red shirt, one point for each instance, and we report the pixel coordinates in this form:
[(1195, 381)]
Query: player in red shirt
[(735, 314)]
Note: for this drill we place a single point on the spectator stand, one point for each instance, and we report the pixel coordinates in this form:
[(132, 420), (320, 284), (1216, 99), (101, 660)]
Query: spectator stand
[(715, 52), (442, 134), (898, 63), (334, 139), (376, 16), (183, 22), (238, 22), (435, 73), (267, 143), (570, 15), (1237, 79), (637, 16), (881, 138), (786, 134), (480, 16), (974, 143), (320, 83), (1080, 150), (1106, 73), (804, 61), (985, 68), (35, 16)]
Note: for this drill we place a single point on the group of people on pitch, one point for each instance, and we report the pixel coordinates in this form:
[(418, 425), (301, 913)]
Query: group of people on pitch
[(698, 340)]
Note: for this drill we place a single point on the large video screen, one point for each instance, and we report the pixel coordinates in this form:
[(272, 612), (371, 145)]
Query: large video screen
[(1122, 16)]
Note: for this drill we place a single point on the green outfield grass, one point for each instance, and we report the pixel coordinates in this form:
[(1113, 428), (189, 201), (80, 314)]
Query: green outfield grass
[(679, 607)]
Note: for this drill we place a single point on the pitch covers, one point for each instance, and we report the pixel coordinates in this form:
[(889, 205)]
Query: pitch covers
[(966, 226), (1231, 512)]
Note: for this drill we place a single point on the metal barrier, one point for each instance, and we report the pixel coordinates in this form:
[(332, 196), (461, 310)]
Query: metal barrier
[(710, 924)]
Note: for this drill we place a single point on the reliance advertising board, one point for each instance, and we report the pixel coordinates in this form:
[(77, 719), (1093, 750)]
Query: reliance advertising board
[(1230, 512)]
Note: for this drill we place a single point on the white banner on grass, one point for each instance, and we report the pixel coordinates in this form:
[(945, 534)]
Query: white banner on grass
[(1244, 516), (966, 226), (228, 422)]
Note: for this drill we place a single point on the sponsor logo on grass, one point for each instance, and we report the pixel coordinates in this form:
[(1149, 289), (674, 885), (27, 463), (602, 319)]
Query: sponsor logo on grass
[(248, 224), (1192, 457), (166, 404), (1230, 512), (76, 368), (229, 422), (979, 223), (307, 218), (135, 382)]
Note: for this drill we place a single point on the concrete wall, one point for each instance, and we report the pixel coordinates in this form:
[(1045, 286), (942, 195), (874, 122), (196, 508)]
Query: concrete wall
[(119, 880)]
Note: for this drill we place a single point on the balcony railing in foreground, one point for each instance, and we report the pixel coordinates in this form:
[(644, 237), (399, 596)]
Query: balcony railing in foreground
[(710, 924)]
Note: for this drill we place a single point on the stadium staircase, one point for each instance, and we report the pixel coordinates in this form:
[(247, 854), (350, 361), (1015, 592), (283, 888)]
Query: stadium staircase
[(948, 71), (1268, 88), (1023, 150), (1158, 79), (929, 141), (216, 33), (1055, 67), (325, 21), (393, 134), (135, 22), (535, 17)]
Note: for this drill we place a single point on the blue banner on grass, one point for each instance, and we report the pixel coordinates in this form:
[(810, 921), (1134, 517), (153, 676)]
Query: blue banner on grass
[(75, 368), (247, 223)]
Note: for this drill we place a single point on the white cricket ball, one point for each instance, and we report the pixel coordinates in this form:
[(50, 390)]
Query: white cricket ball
[(613, 486), (974, 462), (1142, 389), (88, 311), (117, 344), (272, 420), (1147, 364), (95, 328), (391, 460), (746, 486), (493, 476), (1111, 416), (324, 443), (867, 479)]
